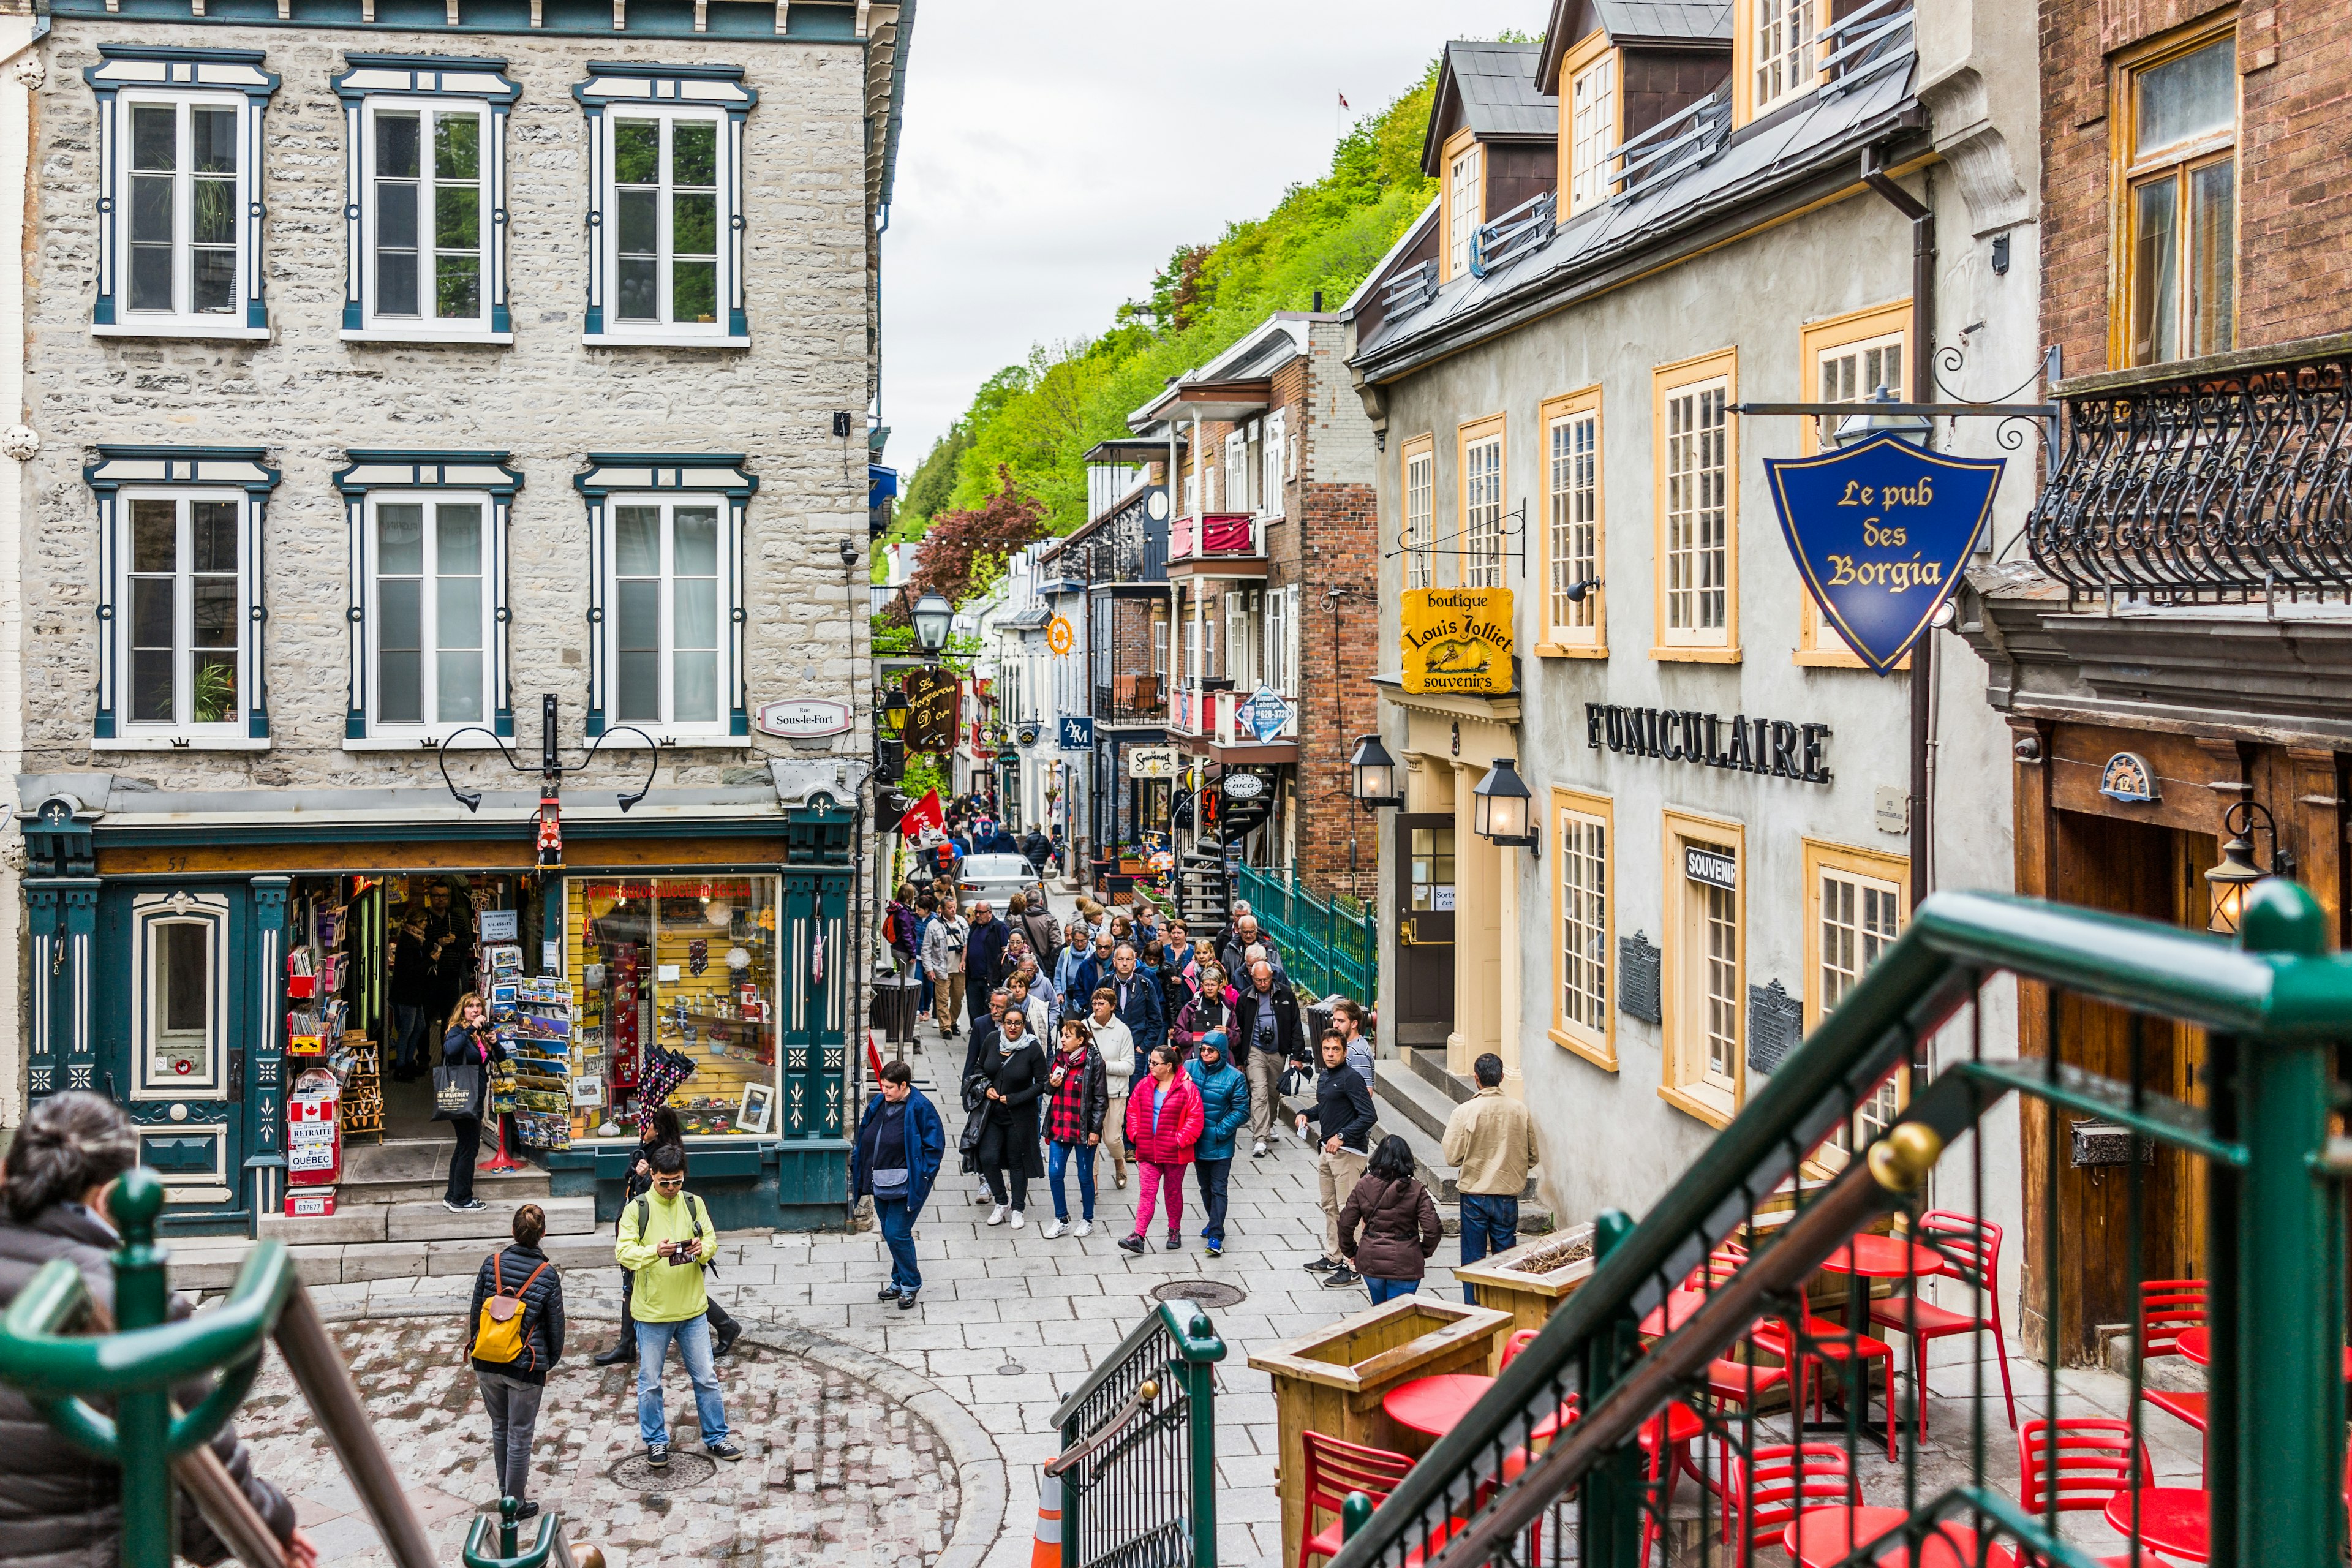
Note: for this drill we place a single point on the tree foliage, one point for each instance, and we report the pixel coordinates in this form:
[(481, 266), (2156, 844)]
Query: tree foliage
[(965, 551), (1030, 425)]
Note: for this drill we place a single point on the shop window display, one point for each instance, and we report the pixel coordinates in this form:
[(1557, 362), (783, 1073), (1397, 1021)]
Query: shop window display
[(674, 979)]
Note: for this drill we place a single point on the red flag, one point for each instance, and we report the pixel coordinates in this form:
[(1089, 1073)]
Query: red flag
[(925, 813), (1343, 100)]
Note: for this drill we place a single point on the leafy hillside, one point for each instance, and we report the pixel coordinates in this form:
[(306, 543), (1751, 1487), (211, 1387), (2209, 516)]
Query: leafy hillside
[(1035, 421)]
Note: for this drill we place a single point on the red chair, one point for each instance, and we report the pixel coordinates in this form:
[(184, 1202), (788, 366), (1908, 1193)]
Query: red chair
[(1825, 1342), (1666, 1440), (1767, 1490), (1976, 1246), (2092, 1457), (1517, 1343), (2167, 1306), (1334, 1469)]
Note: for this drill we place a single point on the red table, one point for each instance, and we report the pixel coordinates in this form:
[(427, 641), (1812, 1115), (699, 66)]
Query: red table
[(1884, 1258), (2172, 1520), (1432, 1405), (1824, 1536), (1665, 1318), (2196, 1345)]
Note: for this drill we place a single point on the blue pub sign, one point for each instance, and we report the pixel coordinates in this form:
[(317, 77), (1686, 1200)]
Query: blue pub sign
[(1881, 532)]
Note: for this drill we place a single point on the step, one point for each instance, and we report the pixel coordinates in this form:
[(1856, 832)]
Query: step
[(1430, 1065), (210, 1264), (526, 1185), (424, 1219), (1412, 1097), (1428, 1148)]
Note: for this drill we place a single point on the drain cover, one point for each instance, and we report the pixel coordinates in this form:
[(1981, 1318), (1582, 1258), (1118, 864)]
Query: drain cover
[(685, 1470), (1208, 1292)]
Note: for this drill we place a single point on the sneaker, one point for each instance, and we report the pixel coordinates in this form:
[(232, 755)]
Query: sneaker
[(1339, 1279), (1135, 1244), (722, 1449), (1213, 1248), (471, 1205), (1120, 1175), (1321, 1266), (888, 1293), (906, 1301), (657, 1456), (1053, 1230), (1084, 1227), (526, 1510), (982, 1197), (997, 1216), (1017, 1221), (1175, 1242), (1258, 1152)]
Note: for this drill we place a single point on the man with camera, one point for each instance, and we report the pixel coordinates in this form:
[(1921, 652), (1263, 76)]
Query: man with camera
[(666, 1240)]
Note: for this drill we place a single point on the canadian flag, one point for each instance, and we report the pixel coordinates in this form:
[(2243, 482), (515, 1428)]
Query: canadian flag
[(926, 812)]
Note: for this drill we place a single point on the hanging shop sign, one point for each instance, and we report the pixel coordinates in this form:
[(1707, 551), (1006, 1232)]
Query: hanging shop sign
[(933, 708), (1243, 786), (1774, 747), (1457, 641), (1880, 532), (1060, 637), (1264, 715), (1152, 762), (804, 719), (1077, 734)]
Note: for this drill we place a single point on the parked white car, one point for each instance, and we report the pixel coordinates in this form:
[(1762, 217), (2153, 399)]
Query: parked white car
[(997, 878)]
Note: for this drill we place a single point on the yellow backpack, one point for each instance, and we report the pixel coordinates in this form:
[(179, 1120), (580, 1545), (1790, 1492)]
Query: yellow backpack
[(498, 1336)]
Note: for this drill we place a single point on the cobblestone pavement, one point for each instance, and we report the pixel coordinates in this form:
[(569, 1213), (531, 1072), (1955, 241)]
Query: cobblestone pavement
[(836, 1471)]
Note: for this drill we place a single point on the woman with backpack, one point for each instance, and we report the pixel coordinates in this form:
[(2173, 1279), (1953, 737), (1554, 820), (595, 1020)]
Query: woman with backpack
[(653, 1132), (1399, 1221), (516, 1337)]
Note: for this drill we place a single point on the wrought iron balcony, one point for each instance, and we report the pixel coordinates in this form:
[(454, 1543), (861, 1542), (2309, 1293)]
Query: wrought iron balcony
[(1524, 228), (1132, 699), (2225, 477)]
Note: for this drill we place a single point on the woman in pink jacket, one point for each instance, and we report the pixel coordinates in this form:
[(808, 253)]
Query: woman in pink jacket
[(1165, 1119)]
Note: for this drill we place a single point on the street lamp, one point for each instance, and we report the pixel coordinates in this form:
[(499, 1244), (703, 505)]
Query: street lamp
[(1374, 776), (932, 615), (894, 711), (1876, 421), (1500, 806), (2238, 871)]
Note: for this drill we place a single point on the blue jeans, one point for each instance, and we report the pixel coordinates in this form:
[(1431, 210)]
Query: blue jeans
[(693, 1337), (1213, 1175), (1489, 1223), (1389, 1289), (408, 1038), (1059, 1156), (923, 973), (898, 1223)]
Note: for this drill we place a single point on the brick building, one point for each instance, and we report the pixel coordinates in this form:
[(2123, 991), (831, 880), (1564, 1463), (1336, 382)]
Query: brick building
[(1272, 562)]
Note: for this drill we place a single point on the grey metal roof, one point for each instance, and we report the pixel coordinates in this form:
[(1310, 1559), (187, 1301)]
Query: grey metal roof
[(1491, 89), (1744, 169), (1632, 20)]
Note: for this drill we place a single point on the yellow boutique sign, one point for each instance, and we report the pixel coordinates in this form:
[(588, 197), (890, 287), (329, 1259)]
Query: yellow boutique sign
[(1458, 640)]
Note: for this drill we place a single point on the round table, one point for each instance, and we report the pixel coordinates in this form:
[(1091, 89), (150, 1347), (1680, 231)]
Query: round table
[(1432, 1405), (1665, 1318), (2172, 1520), (1884, 1258), (2197, 1344), (1824, 1536)]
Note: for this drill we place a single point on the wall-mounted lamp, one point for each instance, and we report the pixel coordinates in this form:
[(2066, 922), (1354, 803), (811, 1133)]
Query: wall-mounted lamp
[(894, 711), (2238, 871), (933, 617), (1500, 807), (1374, 776), (1574, 592)]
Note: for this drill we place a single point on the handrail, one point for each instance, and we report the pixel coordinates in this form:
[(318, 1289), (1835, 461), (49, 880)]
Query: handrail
[(1196, 1343), (1145, 1393), (2279, 983)]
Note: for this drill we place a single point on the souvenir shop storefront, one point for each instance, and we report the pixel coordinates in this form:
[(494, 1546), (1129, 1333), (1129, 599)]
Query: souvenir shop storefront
[(230, 977)]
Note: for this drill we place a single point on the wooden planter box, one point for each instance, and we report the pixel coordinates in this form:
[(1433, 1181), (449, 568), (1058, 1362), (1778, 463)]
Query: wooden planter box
[(1531, 1280), (1332, 1381)]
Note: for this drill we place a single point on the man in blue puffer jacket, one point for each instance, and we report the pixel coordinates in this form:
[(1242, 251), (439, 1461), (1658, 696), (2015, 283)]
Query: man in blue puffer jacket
[(1226, 1107)]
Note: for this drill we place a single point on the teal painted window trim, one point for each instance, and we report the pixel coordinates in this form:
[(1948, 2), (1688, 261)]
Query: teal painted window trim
[(176, 72), (626, 83), (809, 21), (372, 470), (457, 77), (665, 474), (121, 468)]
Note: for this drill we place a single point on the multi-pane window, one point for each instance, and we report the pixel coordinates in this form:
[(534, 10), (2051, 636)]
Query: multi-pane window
[(428, 204), (1584, 926), (1482, 511), (1593, 133), (185, 592), (1715, 918), (183, 203), (1432, 869), (1851, 371), (1237, 472), (2180, 205), (664, 220), (1420, 492), (669, 590), (1697, 514), (1860, 917), (432, 616), (1271, 469), (1705, 989), (1573, 521), (1464, 183), (1784, 49)]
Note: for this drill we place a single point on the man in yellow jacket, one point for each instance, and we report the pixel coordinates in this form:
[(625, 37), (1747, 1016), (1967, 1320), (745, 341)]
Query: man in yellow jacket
[(666, 1240)]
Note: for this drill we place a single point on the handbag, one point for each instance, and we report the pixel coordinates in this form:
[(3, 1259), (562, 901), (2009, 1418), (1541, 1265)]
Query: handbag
[(456, 1092)]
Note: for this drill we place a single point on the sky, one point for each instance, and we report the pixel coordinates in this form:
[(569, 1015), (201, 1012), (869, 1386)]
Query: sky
[(1056, 152)]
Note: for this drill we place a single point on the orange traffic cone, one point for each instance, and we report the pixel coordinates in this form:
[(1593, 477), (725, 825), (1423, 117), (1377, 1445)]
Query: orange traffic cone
[(1047, 1552)]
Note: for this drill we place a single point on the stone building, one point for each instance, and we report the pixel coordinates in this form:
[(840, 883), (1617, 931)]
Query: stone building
[(412, 391)]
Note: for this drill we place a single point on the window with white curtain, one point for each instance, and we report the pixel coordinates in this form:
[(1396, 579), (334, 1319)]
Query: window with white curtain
[(1237, 472), (430, 633), (665, 618), (1278, 672), (1272, 465)]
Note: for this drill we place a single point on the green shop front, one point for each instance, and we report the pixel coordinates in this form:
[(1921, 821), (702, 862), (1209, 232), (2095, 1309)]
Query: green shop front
[(205, 958)]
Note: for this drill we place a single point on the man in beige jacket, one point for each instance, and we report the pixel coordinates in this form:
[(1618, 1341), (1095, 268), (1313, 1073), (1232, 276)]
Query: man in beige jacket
[(1491, 1141)]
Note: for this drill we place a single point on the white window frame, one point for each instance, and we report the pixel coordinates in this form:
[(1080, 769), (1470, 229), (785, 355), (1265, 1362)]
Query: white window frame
[(1482, 510), (429, 726), (724, 589), (1420, 479), (1584, 911), (1699, 995), (128, 76), (1841, 376), (1237, 472), (425, 326), (1271, 467), (1281, 672), (182, 722), (1572, 520), (1464, 185), (629, 90), (1785, 60), (150, 913), (1593, 126)]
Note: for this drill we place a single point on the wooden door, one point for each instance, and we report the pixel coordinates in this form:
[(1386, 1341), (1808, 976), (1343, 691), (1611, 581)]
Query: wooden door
[(1425, 927)]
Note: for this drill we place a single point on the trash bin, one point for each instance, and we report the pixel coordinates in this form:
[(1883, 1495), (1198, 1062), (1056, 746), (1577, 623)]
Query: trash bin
[(896, 997)]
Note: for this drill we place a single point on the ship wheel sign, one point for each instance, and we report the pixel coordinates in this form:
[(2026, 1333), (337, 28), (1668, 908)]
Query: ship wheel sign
[(1060, 637)]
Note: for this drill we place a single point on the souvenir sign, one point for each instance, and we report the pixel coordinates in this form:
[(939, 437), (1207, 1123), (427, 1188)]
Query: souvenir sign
[(1712, 867), (933, 698), (1880, 532), (1152, 762), (1264, 714), (2128, 778), (1457, 641)]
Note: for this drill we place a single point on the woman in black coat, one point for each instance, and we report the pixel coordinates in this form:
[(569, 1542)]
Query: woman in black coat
[(468, 1043), (1010, 1079)]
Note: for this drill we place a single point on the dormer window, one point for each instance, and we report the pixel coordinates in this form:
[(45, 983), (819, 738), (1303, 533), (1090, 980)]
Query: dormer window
[(1464, 202), (1590, 127), (1780, 41)]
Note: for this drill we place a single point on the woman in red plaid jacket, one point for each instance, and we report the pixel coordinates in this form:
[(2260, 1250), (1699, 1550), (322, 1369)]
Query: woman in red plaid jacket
[(1073, 1124)]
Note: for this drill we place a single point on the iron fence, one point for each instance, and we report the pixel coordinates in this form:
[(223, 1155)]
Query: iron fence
[(1139, 1468), (1328, 948), (1769, 1333)]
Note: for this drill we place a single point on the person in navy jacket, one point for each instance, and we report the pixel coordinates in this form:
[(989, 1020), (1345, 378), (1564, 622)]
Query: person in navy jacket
[(1135, 997), (900, 1140)]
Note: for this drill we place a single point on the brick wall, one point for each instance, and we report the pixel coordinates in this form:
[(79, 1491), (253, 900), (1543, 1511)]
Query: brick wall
[(2295, 185)]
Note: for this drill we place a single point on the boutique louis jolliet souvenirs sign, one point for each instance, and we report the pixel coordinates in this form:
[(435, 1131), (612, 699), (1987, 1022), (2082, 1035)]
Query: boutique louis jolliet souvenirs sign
[(1880, 532), (1457, 641)]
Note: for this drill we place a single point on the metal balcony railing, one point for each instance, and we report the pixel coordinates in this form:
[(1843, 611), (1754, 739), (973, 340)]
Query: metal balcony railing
[(1215, 534), (1867, 41), (1683, 1350), (1409, 292), (1675, 142), (1524, 228), (1132, 699)]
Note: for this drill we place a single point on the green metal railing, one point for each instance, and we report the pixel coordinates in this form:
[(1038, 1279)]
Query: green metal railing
[(138, 1355), (1704, 1304), (1138, 1466), (1327, 948)]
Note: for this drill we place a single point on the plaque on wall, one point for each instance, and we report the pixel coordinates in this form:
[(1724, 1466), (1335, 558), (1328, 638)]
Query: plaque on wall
[(1775, 1025), (1638, 972)]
